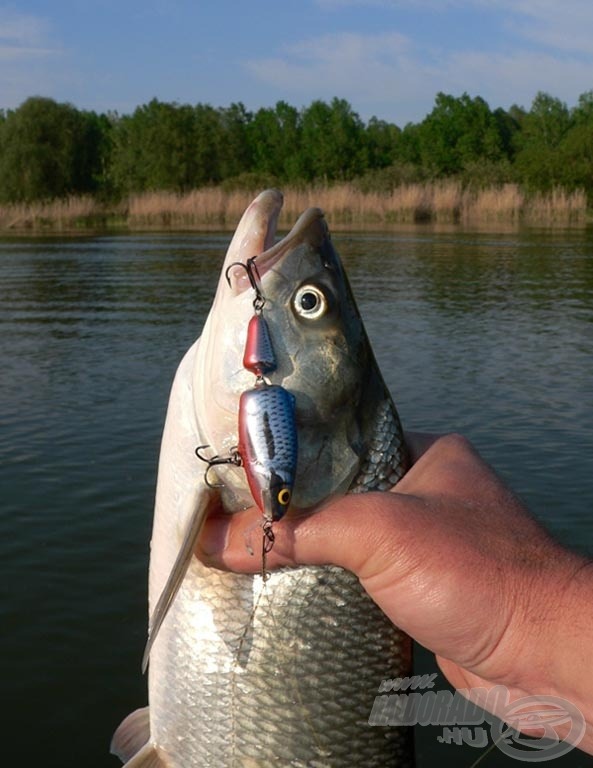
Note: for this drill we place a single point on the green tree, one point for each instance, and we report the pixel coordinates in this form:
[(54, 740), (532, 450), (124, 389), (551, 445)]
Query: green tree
[(332, 141), (275, 141), (381, 139), (208, 145), (407, 149), (583, 112), (49, 150), (517, 114), (153, 149), (459, 132), (576, 147), (98, 148), (539, 158), (506, 126), (235, 157)]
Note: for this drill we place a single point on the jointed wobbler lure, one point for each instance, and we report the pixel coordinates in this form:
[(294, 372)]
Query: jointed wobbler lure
[(267, 430), (267, 448)]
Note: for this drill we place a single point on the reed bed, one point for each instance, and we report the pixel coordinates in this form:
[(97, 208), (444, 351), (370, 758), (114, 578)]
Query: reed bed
[(69, 213), (345, 205), (442, 202), (211, 206)]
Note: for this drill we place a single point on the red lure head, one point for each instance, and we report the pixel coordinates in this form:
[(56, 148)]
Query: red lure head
[(259, 355)]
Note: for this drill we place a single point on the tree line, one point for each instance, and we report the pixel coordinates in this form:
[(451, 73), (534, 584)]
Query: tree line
[(50, 149)]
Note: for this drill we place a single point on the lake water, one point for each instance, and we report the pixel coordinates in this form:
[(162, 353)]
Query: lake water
[(490, 335)]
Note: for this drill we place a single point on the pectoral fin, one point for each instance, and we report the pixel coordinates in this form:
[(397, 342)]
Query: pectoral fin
[(131, 743), (132, 734), (203, 501)]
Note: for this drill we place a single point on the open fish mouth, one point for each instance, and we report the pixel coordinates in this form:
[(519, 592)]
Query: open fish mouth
[(276, 270), (255, 238)]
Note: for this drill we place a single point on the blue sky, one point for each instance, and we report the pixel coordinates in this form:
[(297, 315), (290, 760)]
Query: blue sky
[(388, 58)]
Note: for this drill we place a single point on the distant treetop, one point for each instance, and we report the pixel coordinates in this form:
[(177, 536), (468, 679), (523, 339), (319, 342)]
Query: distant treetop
[(50, 149)]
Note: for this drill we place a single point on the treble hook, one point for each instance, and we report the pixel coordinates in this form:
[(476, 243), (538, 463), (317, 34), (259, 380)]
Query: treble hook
[(233, 458), (254, 279)]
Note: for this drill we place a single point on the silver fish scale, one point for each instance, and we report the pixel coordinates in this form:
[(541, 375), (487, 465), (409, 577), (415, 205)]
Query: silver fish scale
[(288, 689), (282, 673), (385, 462), (307, 623)]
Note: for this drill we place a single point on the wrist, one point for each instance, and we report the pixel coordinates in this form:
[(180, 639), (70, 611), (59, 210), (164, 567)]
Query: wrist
[(573, 639), (557, 638)]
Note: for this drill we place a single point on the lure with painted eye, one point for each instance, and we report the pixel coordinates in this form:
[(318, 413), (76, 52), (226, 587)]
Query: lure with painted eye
[(268, 446)]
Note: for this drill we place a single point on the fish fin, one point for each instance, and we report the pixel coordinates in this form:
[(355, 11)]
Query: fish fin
[(178, 571), (131, 743), (132, 734), (149, 756)]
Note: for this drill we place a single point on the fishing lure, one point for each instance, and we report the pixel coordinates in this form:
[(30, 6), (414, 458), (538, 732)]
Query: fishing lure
[(267, 429), (267, 448)]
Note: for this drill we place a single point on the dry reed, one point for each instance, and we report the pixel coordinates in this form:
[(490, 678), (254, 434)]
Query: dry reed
[(65, 214), (344, 205)]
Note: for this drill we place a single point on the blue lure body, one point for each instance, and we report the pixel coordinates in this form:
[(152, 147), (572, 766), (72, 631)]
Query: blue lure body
[(268, 446)]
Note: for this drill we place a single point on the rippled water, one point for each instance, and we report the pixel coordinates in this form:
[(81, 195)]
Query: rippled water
[(490, 335)]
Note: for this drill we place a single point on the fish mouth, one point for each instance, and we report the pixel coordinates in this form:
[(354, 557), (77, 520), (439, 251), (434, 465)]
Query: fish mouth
[(255, 237)]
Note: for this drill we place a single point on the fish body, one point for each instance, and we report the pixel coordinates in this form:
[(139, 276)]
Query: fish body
[(246, 672)]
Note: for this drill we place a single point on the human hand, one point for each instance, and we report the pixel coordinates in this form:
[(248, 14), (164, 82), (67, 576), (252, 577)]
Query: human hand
[(455, 560)]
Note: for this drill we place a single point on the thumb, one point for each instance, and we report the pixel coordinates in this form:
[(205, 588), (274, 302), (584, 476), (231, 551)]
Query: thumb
[(355, 532)]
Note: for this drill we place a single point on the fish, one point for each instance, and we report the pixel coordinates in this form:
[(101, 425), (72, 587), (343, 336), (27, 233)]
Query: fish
[(278, 668)]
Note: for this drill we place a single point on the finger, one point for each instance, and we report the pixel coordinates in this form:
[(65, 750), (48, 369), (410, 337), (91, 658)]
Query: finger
[(342, 532), (419, 442), (346, 532), (220, 531), (445, 465)]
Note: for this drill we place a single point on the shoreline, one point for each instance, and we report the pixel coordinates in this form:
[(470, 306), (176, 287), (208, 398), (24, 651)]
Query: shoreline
[(346, 208)]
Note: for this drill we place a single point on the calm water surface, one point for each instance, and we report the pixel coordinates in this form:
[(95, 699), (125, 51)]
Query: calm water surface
[(490, 335)]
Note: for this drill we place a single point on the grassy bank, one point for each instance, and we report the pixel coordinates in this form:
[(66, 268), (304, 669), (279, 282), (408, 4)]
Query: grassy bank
[(344, 205)]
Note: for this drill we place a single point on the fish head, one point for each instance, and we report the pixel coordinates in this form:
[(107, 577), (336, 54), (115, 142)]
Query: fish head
[(311, 368), (316, 329), (323, 357)]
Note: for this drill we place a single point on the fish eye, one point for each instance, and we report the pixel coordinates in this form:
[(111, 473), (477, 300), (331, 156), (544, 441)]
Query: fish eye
[(310, 302), (284, 497)]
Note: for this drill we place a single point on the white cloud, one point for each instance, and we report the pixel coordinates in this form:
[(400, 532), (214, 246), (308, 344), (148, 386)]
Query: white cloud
[(565, 26), (548, 47), (23, 36), (342, 49), (558, 26), (336, 64), (28, 55), (516, 77)]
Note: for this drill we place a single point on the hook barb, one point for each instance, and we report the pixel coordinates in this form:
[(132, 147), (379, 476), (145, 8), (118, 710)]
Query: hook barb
[(233, 458), (252, 271)]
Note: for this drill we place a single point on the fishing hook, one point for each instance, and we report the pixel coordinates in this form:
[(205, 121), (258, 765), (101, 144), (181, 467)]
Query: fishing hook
[(254, 279), (268, 540), (233, 458)]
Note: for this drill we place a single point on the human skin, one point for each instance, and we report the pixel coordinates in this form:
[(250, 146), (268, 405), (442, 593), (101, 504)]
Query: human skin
[(454, 559)]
